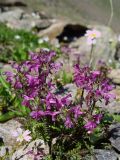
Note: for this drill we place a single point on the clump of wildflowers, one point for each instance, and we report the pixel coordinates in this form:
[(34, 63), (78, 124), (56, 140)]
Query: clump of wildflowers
[(33, 81), (95, 88)]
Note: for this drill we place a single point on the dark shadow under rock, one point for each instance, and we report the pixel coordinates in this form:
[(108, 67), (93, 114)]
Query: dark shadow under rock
[(13, 4), (71, 32)]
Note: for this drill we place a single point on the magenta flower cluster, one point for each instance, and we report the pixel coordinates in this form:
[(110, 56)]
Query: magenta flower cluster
[(95, 88), (94, 83), (33, 79)]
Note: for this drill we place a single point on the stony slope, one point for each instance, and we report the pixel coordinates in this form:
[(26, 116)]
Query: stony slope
[(90, 10)]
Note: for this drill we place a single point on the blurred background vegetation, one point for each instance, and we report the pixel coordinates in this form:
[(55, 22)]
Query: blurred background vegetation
[(78, 10)]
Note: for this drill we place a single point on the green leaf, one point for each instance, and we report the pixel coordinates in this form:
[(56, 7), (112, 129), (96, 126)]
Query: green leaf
[(7, 116), (56, 128), (3, 82)]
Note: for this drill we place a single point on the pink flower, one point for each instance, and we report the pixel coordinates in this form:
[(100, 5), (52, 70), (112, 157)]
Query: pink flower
[(26, 100), (21, 135), (90, 126), (10, 77), (68, 122), (56, 66), (52, 114), (92, 35), (77, 111), (37, 114), (97, 118), (95, 73)]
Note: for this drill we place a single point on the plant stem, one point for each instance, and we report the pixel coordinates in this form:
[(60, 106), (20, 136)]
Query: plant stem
[(81, 99), (92, 107), (91, 56), (112, 12)]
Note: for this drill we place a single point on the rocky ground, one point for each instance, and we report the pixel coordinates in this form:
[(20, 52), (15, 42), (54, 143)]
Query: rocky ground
[(84, 10), (72, 34)]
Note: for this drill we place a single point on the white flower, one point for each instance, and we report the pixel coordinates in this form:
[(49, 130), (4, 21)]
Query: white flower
[(42, 40), (110, 60), (17, 37), (46, 39), (46, 49), (33, 14), (21, 135), (92, 35), (65, 38)]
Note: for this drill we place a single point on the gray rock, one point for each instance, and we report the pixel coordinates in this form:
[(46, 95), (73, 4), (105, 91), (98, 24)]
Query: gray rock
[(0, 10), (105, 154), (11, 15), (6, 130), (28, 24), (43, 24), (31, 151), (114, 75), (102, 154), (114, 106), (30, 16), (115, 136), (67, 89), (71, 89), (5, 150), (4, 9), (25, 24), (54, 30), (43, 15), (19, 19)]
